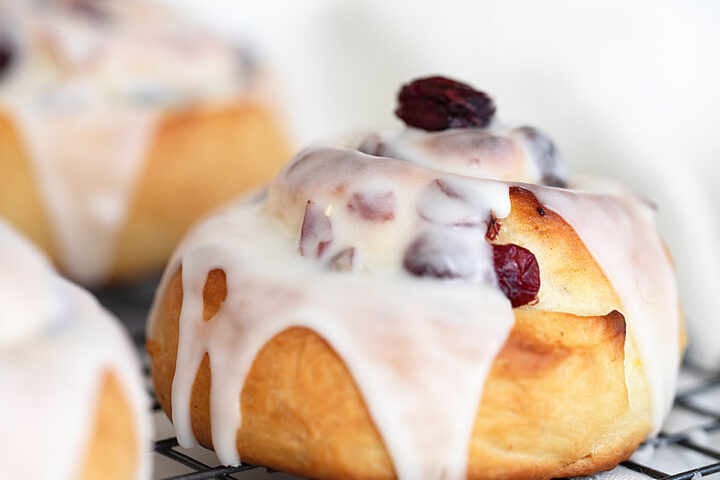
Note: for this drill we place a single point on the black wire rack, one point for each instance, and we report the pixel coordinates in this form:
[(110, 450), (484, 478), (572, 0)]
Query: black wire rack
[(688, 448)]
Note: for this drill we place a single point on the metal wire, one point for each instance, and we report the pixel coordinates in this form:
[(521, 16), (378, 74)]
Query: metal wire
[(685, 400), (167, 448)]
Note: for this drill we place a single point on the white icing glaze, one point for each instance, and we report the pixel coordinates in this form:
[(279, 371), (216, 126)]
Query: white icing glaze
[(521, 154), (56, 345), (378, 318), (22, 316), (86, 186), (86, 91)]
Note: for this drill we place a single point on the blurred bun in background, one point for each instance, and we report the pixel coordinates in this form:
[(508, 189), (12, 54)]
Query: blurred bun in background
[(121, 122), (627, 89), (73, 404)]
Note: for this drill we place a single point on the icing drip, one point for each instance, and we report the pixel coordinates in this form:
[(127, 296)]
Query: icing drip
[(60, 344), (86, 189), (383, 219)]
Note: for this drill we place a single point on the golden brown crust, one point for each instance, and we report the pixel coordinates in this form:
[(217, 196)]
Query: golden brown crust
[(112, 453), (198, 160), (20, 203), (556, 401), (570, 279)]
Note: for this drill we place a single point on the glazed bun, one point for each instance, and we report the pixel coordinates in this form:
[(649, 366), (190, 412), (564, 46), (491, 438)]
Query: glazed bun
[(120, 124), (423, 307), (72, 404)]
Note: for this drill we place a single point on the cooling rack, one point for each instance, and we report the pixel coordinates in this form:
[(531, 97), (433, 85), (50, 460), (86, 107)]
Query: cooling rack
[(688, 448)]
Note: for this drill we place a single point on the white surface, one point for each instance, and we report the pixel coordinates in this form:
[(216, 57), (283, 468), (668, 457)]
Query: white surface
[(627, 89)]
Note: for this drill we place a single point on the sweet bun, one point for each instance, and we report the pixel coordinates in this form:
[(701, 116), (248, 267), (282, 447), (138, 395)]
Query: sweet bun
[(374, 315), (116, 134), (73, 404)]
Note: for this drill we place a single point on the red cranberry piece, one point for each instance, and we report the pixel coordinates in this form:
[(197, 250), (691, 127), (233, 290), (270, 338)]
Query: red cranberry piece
[(547, 156), (448, 189), (373, 206), (90, 9), (438, 103), (439, 256), (316, 231), (343, 261), (444, 204), (493, 228), (517, 273), (371, 145), (7, 54)]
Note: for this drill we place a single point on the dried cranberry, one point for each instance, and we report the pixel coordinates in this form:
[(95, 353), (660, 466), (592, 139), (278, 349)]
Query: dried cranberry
[(517, 273), (547, 156), (372, 145), (493, 228), (373, 206), (439, 255), (438, 103), (444, 204), (343, 261), (316, 231), (6, 55), (448, 189), (246, 61), (90, 9)]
